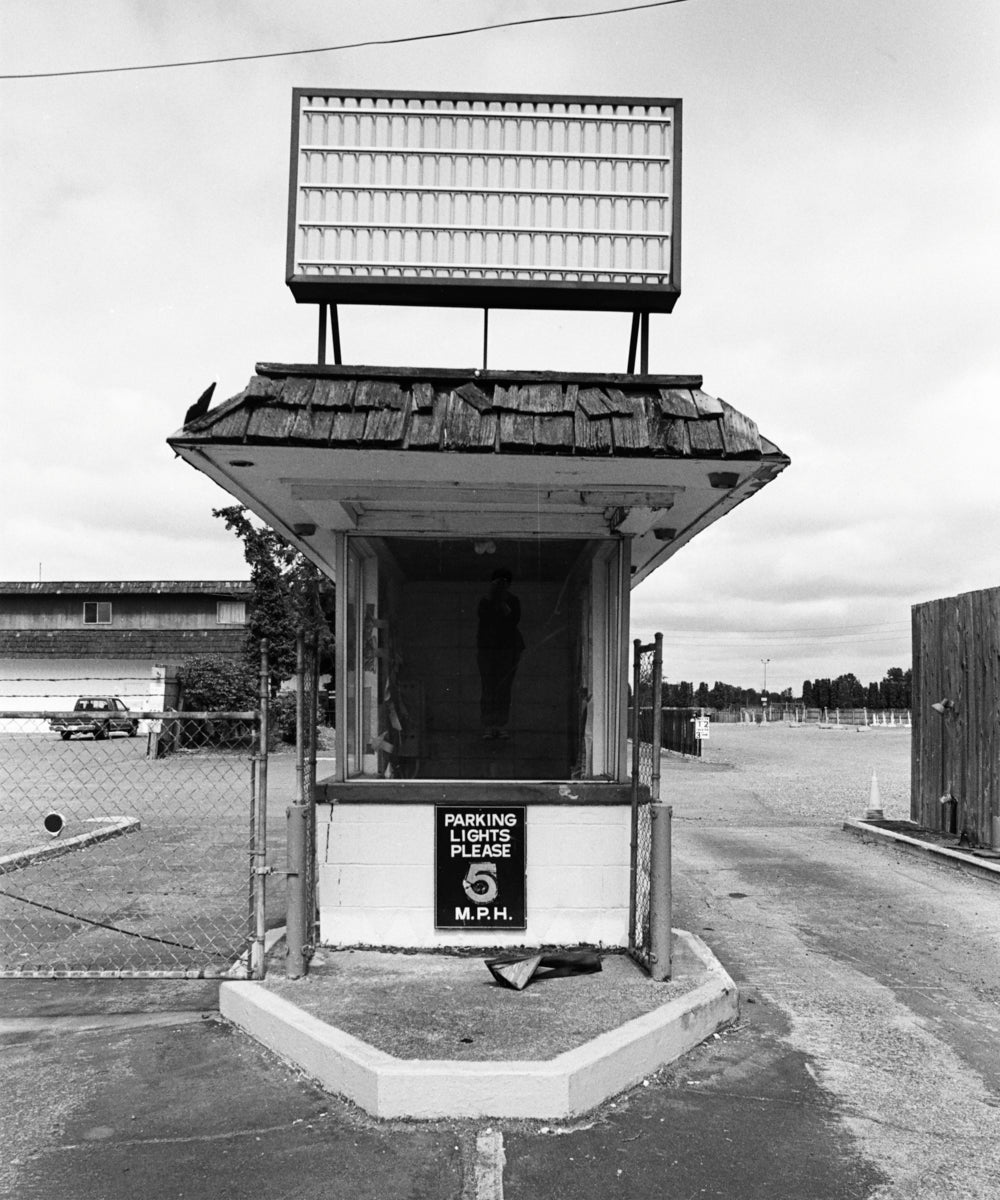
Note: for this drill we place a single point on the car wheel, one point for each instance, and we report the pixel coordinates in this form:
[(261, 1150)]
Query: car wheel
[(133, 729), (65, 737), (100, 733)]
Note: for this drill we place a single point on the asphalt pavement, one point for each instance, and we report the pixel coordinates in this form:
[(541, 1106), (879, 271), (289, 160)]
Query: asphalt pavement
[(865, 1064)]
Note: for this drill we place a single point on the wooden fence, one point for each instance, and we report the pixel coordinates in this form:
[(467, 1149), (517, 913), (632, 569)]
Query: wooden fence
[(956, 746)]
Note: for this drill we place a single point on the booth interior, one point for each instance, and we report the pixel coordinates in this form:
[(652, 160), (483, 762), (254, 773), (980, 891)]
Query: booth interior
[(415, 670)]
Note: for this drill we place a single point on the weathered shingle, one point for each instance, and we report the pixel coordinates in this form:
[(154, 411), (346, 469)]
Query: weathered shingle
[(127, 643), (482, 412)]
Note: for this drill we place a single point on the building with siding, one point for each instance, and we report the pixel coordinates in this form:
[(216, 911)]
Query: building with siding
[(58, 640)]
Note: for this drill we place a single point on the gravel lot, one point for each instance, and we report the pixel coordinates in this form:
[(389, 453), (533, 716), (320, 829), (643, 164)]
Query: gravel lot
[(800, 774)]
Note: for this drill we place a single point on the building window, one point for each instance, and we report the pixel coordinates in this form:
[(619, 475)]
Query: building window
[(97, 612), (232, 612)]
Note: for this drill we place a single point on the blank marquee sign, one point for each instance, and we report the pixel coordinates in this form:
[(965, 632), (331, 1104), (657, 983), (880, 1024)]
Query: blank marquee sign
[(484, 200)]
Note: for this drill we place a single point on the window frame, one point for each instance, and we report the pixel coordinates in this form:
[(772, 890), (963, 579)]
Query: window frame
[(97, 606), (241, 605)]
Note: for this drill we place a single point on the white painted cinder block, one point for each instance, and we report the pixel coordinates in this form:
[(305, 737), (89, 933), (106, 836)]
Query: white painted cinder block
[(376, 877)]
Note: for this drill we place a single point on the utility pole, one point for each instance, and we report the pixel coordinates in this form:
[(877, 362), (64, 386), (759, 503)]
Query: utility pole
[(765, 661)]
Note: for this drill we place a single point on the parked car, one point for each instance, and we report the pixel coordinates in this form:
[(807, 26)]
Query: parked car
[(96, 715)]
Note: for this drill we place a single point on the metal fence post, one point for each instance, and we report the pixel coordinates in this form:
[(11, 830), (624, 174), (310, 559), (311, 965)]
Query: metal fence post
[(660, 893), (654, 786), (634, 843), (258, 833), (660, 899), (297, 847)]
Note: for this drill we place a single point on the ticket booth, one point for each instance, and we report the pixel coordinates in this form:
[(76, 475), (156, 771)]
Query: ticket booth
[(414, 490), (480, 797)]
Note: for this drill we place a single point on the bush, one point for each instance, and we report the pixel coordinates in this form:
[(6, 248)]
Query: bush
[(281, 717), (216, 683), (281, 720)]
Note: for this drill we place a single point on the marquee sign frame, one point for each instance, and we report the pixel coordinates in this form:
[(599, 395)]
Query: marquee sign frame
[(484, 200)]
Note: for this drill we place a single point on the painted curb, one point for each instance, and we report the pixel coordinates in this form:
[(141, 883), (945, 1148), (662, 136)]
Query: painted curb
[(110, 827), (561, 1087), (912, 845)]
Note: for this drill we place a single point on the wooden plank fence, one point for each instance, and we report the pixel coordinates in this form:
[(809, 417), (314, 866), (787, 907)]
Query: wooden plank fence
[(956, 752)]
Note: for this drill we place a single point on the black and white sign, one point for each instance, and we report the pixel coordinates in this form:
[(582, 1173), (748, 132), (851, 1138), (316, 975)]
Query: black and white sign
[(479, 868)]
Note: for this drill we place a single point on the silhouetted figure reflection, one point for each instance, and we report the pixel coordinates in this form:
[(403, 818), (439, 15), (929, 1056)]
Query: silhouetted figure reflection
[(499, 646)]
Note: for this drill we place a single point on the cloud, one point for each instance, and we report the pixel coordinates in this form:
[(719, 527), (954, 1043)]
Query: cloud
[(840, 251)]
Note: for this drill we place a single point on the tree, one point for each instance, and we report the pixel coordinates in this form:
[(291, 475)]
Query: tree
[(289, 594), (896, 687)]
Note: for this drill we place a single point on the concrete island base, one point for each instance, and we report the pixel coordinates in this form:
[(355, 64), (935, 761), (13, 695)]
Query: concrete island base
[(524, 1079)]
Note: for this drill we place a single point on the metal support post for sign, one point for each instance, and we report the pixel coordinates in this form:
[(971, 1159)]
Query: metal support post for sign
[(297, 814), (258, 831), (660, 893), (335, 330), (633, 341), (639, 338), (486, 335), (634, 734)]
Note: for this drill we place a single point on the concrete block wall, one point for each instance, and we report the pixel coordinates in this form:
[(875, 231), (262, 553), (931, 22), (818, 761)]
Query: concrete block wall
[(376, 877)]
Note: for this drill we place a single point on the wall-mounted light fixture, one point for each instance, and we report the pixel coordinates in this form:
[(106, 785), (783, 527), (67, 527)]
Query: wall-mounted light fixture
[(723, 479), (305, 529), (944, 706)]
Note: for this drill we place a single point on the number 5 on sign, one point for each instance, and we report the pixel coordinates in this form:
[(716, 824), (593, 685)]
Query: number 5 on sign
[(480, 882)]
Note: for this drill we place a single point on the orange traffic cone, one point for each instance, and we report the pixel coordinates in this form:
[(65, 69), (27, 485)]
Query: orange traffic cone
[(874, 811)]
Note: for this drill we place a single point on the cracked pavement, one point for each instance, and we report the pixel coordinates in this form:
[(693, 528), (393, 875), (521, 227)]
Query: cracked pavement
[(865, 1064)]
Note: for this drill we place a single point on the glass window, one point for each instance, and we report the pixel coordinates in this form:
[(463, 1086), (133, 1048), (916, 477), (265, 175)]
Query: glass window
[(96, 612), (231, 612), (481, 659)]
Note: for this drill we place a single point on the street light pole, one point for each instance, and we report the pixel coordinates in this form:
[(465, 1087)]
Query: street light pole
[(765, 661)]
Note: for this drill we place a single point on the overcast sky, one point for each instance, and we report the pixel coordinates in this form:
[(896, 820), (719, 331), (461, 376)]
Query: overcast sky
[(840, 284)]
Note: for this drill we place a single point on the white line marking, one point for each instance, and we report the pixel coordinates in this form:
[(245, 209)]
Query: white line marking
[(490, 1160)]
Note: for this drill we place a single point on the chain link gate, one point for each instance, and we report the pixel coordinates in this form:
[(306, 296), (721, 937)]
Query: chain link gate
[(650, 886), (132, 843)]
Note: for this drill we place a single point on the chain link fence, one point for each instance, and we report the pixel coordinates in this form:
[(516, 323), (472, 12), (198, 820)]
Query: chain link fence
[(129, 841)]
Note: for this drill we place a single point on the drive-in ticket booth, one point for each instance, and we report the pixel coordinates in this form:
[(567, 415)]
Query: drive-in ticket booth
[(481, 789)]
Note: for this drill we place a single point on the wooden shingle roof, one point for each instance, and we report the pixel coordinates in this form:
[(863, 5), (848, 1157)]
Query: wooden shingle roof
[(157, 644), (480, 412)]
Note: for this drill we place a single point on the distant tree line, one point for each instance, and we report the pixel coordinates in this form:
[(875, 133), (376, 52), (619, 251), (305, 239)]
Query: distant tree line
[(846, 691)]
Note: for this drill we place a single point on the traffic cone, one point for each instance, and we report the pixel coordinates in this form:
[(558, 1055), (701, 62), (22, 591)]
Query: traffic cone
[(874, 811)]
